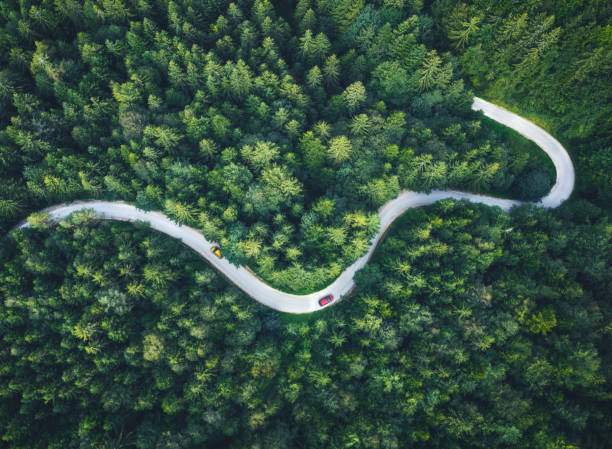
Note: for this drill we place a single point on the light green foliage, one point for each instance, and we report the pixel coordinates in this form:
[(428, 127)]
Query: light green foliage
[(331, 70), (354, 95), (314, 77), (433, 74), (339, 149), (153, 348), (360, 125), (260, 155), (314, 47), (312, 149), (182, 212), (9, 208)]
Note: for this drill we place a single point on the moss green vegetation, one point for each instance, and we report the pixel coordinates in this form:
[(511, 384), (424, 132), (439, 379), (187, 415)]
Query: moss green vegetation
[(277, 135), (470, 328), (278, 128), (547, 59)]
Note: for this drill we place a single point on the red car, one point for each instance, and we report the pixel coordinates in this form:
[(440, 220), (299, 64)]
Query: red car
[(326, 300)]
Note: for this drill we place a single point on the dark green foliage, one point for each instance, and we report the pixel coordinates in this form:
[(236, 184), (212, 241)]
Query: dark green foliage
[(278, 128), (471, 328), (551, 60), (237, 119), (369, 277), (532, 185)]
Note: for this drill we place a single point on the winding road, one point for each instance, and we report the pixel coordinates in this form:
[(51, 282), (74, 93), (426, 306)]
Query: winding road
[(285, 302)]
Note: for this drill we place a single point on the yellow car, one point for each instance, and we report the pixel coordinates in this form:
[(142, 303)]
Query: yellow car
[(216, 251)]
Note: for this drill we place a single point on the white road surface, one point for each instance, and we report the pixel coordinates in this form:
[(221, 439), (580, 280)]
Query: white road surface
[(285, 302)]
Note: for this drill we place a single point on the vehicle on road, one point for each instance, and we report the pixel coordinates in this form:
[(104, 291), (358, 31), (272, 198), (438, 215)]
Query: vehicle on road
[(290, 303), (216, 251), (326, 300)]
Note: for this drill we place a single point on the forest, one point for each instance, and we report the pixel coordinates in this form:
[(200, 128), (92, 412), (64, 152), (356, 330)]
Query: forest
[(551, 60), (278, 128), (278, 136), (471, 328)]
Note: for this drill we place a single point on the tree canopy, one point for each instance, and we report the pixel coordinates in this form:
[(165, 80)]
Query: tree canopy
[(470, 328), (238, 117), (278, 128)]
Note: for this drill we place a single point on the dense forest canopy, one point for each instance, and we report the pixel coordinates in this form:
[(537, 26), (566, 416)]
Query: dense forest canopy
[(472, 328), (551, 59), (277, 135), (278, 128)]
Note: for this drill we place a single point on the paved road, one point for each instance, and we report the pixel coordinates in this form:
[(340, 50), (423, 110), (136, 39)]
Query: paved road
[(286, 302)]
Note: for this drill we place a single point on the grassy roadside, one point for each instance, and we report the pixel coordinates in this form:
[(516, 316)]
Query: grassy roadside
[(521, 145), (544, 121), (284, 289)]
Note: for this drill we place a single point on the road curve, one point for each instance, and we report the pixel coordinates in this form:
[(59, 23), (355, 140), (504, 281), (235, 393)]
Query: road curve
[(286, 302)]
